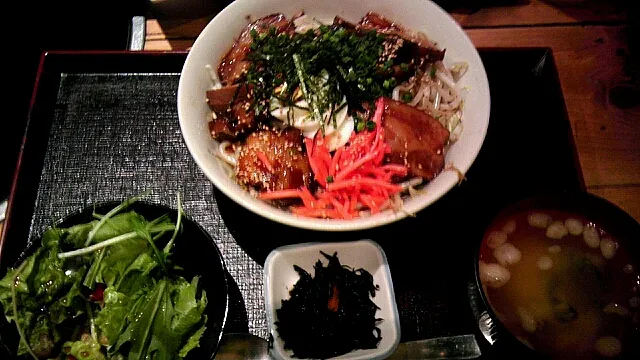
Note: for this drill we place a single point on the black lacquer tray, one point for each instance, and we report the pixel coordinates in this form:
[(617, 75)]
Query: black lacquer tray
[(104, 126)]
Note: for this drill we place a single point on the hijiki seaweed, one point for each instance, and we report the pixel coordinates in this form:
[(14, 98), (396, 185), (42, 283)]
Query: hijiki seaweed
[(331, 313)]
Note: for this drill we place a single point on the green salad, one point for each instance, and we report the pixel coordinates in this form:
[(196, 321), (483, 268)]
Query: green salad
[(106, 289)]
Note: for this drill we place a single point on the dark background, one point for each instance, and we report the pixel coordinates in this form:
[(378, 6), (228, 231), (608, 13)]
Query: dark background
[(31, 27)]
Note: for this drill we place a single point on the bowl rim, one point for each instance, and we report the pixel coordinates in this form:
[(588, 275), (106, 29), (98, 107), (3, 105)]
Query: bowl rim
[(498, 329), (138, 206), (306, 246), (383, 218)]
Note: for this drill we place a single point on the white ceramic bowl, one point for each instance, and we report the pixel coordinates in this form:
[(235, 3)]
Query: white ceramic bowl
[(279, 278), (419, 15)]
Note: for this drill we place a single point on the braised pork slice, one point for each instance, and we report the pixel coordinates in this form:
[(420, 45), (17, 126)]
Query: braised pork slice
[(376, 21), (286, 166), (416, 139), (234, 122), (400, 44), (233, 66), (220, 99)]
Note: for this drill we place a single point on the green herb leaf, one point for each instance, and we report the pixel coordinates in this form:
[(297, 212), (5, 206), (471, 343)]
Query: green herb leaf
[(145, 315), (371, 125), (84, 349), (139, 332), (110, 214), (351, 61), (194, 340), (189, 308), (112, 318)]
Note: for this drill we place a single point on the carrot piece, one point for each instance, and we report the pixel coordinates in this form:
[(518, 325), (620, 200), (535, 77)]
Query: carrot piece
[(324, 156), (354, 203), (349, 169), (265, 161), (309, 146), (334, 299), (395, 169), (335, 161), (317, 213), (341, 210), (280, 194), (307, 198), (317, 170), (363, 181), (355, 173), (368, 201)]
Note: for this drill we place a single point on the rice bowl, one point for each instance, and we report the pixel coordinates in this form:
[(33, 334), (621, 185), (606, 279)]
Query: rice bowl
[(215, 40)]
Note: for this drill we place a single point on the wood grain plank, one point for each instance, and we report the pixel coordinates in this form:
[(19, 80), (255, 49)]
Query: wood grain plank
[(175, 29), (626, 197), (168, 45), (539, 12), (588, 67)]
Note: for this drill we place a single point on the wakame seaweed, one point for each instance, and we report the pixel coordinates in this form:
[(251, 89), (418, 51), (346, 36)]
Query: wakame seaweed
[(331, 313), (341, 62)]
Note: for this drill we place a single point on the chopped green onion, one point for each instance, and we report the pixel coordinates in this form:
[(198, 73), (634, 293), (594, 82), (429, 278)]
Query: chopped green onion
[(407, 97)]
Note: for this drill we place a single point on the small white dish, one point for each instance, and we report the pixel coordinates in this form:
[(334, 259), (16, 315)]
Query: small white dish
[(280, 276)]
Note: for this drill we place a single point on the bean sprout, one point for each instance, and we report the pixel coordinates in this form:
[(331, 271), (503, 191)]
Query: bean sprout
[(438, 95), (213, 75), (225, 156)]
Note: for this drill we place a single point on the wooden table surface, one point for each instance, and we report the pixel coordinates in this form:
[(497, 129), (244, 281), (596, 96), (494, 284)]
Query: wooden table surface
[(590, 46)]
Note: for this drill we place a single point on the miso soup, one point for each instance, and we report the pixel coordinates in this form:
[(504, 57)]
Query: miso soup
[(562, 285)]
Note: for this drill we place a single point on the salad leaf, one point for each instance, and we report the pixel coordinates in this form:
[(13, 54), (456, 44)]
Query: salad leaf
[(166, 321), (119, 256), (119, 224), (90, 279), (189, 314), (43, 285), (143, 232), (51, 238), (69, 305), (136, 276), (42, 338), (74, 236), (117, 259), (21, 286), (52, 277), (111, 319), (188, 308), (84, 349), (139, 332), (194, 340), (144, 312)]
